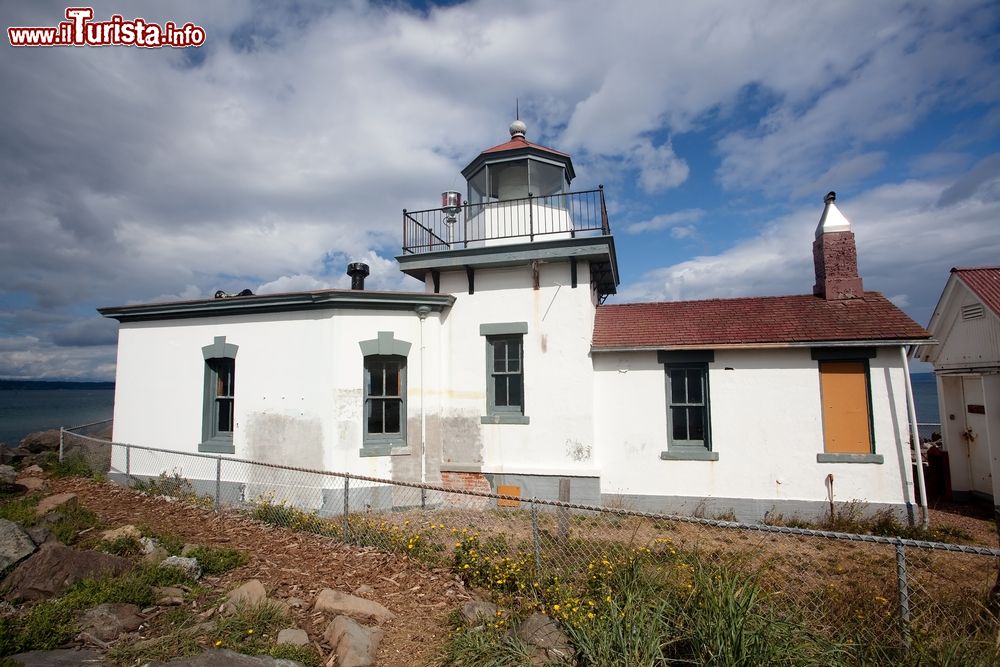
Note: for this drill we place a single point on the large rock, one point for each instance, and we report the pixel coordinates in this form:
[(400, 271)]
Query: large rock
[(59, 501), (126, 531), (337, 602), (54, 568), (152, 552), (354, 644), (7, 476), (477, 612), (108, 621), (41, 441), (545, 634), (227, 658), (250, 593), (293, 636), (63, 657), (33, 484), (15, 544), (189, 566)]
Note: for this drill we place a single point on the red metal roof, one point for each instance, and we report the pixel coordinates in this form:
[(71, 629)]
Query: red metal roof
[(984, 281), (752, 321), (521, 142)]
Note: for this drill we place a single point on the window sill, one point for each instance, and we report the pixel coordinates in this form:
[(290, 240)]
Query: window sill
[(693, 455), (394, 448), (849, 458), (217, 446), (503, 419)]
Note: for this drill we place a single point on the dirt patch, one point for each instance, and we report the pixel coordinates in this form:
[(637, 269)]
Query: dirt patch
[(294, 564)]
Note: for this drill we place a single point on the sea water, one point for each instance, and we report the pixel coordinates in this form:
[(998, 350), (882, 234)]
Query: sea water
[(24, 411)]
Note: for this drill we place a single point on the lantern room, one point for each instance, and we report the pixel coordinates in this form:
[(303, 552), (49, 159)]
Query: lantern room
[(517, 169), (519, 209)]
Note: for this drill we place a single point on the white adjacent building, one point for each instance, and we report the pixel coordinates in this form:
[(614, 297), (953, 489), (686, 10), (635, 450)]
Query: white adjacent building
[(966, 322), (509, 369)]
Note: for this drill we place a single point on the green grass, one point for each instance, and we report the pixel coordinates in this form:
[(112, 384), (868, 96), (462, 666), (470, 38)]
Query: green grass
[(126, 545), (484, 647), (251, 629), (20, 509), (217, 560), (70, 466), (72, 520), (49, 624)]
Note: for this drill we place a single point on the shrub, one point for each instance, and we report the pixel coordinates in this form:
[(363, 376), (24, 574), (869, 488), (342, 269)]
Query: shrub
[(489, 565), (172, 485)]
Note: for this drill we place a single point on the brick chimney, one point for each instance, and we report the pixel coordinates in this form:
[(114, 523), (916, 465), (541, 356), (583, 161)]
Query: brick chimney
[(835, 256)]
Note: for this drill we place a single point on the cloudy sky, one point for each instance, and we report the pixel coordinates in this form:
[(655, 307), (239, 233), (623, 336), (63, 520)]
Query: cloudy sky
[(288, 144)]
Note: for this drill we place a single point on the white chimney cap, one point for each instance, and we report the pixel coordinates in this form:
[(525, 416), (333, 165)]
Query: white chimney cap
[(832, 219)]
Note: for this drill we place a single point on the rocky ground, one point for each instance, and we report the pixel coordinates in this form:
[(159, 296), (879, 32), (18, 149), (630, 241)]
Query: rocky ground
[(366, 594)]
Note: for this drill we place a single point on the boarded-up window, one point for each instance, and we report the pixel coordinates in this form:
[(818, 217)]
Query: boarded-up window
[(846, 407)]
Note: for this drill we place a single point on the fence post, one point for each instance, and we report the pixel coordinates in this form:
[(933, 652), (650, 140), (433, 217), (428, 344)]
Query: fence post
[(904, 593), (218, 483), (61, 432), (562, 511), (347, 508), (128, 465), (535, 538)]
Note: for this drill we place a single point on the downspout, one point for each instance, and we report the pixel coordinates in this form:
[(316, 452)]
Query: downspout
[(915, 438), (422, 312)]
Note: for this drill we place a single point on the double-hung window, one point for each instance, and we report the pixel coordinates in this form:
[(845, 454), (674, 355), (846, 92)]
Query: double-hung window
[(219, 398), (385, 399), (689, 422), (505, 398), (384, 402)]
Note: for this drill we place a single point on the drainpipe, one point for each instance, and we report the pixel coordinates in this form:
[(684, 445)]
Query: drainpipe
[(422, 312), (915, 437)]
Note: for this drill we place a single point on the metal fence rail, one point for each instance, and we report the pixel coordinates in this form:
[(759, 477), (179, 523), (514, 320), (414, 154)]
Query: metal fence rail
[(872, 590), (564, 215)]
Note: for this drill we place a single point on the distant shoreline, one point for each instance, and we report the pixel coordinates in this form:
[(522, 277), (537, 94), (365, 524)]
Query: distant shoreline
[(47, 385)]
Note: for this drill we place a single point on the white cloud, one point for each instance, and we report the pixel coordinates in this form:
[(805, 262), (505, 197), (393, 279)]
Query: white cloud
[(659, 167), (906, 245), (674, 221), (292, 145)]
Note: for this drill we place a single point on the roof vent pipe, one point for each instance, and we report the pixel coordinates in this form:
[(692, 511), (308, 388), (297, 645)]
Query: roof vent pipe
[(358, 271)]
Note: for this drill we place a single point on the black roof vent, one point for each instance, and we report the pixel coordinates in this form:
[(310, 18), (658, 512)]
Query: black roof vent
[(358, 271)]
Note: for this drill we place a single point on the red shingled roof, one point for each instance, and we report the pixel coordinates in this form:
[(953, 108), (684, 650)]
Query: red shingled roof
[(984, 281), (751, 321), (521, 142)]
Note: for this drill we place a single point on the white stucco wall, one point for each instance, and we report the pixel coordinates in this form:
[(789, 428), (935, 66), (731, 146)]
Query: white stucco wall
[(299, 383), (766, 424), (558, 378)]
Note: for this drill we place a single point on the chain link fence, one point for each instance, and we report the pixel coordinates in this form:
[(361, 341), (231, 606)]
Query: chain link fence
[(881, 596)]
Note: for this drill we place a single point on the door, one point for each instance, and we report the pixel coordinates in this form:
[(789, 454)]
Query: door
[(975, 434)]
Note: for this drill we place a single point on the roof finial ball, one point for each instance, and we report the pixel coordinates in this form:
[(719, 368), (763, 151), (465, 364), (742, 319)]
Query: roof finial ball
[(518, 129), (830, 197)]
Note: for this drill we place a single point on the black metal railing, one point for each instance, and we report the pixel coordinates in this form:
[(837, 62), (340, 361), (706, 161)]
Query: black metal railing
[(567, 215)]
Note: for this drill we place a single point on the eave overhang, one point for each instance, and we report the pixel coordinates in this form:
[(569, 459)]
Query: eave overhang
[(898, 342), (525, 150), (599, 250), (275, 303)]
